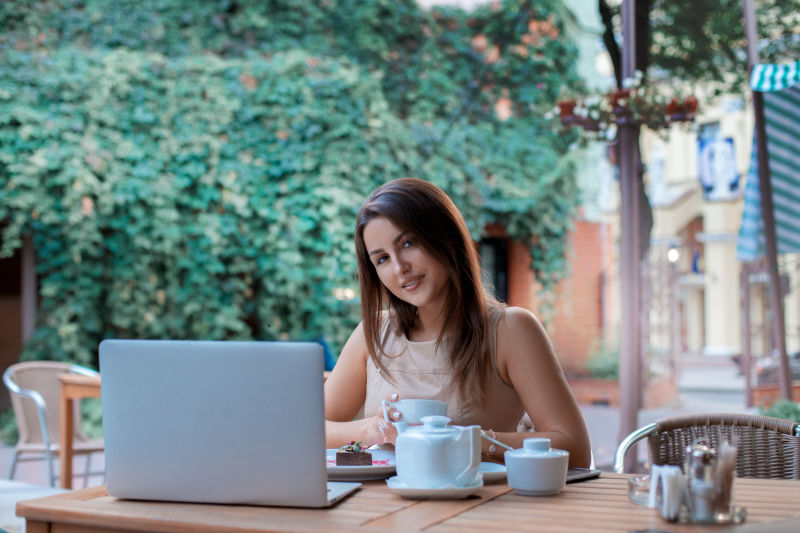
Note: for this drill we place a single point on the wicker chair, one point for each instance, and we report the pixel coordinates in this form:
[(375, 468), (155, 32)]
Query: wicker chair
[(768, 447)]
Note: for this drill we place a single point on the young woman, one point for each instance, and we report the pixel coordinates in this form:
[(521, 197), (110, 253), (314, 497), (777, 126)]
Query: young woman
[(430, 330)]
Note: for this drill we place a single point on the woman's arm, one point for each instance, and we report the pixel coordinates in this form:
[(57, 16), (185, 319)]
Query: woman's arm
[(526, 360), (345, 391)]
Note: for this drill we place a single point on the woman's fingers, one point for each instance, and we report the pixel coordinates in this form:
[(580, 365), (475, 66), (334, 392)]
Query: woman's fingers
[(388, 431), (380, 432), (389, 411)]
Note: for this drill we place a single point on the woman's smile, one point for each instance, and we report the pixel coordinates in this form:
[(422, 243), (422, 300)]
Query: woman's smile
[(412, 284)]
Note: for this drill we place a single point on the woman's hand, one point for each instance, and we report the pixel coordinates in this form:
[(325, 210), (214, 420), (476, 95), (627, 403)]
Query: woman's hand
[(377, 430), (370, 430)]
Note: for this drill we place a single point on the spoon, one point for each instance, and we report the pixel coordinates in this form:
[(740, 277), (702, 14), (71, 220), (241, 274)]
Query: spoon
[(489, 438)]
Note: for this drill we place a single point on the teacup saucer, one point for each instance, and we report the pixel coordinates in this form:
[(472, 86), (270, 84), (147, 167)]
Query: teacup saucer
[(492, 471), (443, 493)]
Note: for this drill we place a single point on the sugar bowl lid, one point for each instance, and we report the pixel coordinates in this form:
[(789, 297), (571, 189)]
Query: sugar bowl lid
[(536, 447)]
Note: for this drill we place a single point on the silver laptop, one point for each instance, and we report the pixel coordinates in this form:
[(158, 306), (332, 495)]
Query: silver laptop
[(216, 422)]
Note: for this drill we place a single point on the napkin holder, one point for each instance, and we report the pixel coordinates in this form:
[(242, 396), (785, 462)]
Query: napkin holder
[(702, 492)]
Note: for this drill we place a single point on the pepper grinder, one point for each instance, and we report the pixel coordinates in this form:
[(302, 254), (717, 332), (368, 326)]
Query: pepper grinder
[(700, 467)]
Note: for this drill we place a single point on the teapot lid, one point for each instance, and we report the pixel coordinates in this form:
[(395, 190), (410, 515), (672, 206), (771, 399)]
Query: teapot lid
[(535, 447), (434, 422), (430, 424)]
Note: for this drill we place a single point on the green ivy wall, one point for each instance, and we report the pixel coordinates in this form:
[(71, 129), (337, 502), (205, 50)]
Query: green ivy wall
[(193, 169)]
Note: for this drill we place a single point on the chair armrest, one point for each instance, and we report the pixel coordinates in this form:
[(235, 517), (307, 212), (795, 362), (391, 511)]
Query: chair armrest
[(37, 400), (627, 442)]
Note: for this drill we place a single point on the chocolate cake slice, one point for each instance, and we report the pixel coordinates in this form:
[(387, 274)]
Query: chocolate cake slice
[(353, 455)]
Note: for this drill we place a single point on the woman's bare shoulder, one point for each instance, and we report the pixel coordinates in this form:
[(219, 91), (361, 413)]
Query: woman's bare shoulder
[(518, 320), (521, 336)]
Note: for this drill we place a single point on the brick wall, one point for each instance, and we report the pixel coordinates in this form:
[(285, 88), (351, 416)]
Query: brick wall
[(576, 326)]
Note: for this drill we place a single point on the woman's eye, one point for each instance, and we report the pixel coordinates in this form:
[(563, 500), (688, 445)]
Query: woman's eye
[(406, 244), (380, 260)]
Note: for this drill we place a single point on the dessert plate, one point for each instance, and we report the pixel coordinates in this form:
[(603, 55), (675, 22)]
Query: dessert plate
[(492, 471), (382, 466), (446, 493)]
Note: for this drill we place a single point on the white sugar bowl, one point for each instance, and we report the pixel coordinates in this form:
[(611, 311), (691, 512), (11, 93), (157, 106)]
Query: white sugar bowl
[(536, 469)]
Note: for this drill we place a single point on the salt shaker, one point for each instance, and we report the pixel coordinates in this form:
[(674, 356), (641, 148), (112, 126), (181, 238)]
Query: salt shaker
[(701, 464)]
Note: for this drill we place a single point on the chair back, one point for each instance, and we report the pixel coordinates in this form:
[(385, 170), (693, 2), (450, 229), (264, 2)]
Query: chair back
[(767, 447), (23, 379)]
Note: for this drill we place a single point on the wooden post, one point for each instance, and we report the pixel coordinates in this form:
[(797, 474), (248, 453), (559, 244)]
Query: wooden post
[(674, 331), (747, 346), (767, 213), (630, 344), (29, 289)]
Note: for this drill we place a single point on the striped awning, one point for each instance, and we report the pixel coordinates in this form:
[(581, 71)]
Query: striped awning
[(768, 78), (782, 116)]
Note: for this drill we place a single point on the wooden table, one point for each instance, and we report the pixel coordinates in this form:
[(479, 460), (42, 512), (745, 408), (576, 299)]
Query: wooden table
[(73, 387), (596, 505)]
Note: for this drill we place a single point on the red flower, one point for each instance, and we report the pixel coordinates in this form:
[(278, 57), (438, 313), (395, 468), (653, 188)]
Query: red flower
[(673, 107), (566, 108), (690, 105)]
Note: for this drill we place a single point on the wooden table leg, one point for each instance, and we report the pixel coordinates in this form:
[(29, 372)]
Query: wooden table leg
[(34, 526), (65, 440)]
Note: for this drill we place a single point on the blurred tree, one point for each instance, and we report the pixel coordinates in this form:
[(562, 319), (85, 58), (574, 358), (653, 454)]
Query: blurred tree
[(703, 40), (696, 42)]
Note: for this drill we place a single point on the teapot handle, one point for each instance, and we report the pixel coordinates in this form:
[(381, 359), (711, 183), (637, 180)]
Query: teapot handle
[(474, 455)]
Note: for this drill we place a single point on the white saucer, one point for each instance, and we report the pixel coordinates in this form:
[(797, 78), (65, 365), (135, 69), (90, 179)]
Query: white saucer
[(383, 465), (492, 471), (445, 493)]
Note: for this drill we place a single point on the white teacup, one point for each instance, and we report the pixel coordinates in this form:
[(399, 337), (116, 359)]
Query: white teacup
[(536, 469), (413, 409)]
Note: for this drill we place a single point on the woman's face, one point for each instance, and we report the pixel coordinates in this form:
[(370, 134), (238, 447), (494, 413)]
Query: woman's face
[(403, 266)]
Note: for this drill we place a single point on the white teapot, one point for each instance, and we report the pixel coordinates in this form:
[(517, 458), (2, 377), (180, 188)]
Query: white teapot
[(437, 456)]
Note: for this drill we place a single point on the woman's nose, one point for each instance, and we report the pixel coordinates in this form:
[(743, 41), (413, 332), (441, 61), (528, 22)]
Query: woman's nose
[(401, 266)]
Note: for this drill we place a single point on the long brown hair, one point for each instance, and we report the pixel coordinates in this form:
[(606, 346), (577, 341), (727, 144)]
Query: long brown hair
[(425, 211)]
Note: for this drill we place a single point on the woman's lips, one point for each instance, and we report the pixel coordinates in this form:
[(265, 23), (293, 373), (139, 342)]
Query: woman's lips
[(412, 284)]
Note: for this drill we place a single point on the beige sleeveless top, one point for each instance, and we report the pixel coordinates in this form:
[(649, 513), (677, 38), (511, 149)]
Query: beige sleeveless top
[(420, 370)]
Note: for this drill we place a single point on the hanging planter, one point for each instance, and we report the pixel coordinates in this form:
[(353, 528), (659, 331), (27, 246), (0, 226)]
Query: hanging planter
[(634, 104), (566, 109), (619, 100), (682, 111)]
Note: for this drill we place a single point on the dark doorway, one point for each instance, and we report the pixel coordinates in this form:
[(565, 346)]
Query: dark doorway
[(494, 260), (11, 311)]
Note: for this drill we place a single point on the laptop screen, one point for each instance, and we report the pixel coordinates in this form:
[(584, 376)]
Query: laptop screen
[(214, 421)]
